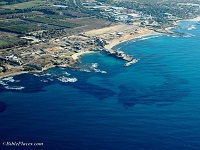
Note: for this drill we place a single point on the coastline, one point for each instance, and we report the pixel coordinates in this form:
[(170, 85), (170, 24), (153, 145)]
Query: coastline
[(76, 56), (112, 36), (13, 74), (194, 19), (25, 72), (120, 33), (127, 35)]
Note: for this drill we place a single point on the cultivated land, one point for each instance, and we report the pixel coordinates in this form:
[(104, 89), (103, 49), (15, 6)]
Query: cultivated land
[(38, 34), (24, 5)]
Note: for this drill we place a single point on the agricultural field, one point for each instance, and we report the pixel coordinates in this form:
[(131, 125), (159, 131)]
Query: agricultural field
[(18, 26), (24, 5), (55, 21), (43, 20), (11, 41)]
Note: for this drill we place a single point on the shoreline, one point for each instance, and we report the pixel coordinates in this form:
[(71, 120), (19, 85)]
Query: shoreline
[(76, 56), (128, 37), (120, 33), (112, 43), (13, 74), (128, 33), (194, 19), (25, 72)]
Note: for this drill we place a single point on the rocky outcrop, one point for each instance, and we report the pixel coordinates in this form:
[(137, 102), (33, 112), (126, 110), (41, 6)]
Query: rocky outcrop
[(121, 55)]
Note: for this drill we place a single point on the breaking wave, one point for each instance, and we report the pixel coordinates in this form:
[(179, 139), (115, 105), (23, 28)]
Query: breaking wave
[(9, 79), (192, 27), (188, 35), (43, 80), (66, 73), (2, 83), (5, 82), (41, 74), (94, 65), (94, 68), (85, 70), (147, 37), (14, 87), (66, 79)]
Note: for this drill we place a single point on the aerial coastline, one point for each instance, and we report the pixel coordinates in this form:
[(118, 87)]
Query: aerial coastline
[(65, 39), (196, 19), (100, 74), (110, 36), (110, 43)]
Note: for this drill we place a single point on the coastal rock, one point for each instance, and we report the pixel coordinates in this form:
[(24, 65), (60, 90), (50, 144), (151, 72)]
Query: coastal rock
[(130, 62)]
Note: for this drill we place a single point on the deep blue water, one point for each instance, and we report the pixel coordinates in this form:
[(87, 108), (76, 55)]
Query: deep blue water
[(151, 105)]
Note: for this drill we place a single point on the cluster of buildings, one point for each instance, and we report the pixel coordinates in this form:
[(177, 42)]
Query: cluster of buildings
[(119, 14)]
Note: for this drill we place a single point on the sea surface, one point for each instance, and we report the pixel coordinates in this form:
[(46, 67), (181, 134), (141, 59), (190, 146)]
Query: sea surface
[(151, 105)]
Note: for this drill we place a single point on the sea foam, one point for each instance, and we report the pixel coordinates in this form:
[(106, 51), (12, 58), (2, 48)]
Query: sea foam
[(9, 79), (192, 27), (94, 68), (2, 83), (66, 79), (14, 87)]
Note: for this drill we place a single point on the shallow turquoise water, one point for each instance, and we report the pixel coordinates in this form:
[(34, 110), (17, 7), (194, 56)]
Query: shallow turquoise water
[(153, 104)]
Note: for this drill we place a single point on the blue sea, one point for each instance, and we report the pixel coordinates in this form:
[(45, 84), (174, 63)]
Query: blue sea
[(151, 105)]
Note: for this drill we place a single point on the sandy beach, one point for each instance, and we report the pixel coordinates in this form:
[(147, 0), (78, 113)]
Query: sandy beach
[(109, 30), (125, 32), (77, 55), (195, 19), (127, 37)]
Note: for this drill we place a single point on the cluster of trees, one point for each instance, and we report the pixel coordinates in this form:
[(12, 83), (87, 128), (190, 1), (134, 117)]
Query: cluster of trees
[(8, 43), (14, 1), (20, 27), (52, 21)]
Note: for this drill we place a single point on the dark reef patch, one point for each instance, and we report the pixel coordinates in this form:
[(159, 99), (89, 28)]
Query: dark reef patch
[(3, 107), (174, 89), (97, 91)]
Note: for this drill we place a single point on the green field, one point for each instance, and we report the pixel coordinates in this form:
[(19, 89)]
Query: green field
[(10, 42), (53, 21), (23, 27), (20, 27), (3, 3), (69, 53), (24, 5), (2, 42)]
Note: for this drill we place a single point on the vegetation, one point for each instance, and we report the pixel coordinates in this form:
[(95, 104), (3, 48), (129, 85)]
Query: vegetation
[(10, 42), (38, 18), (43, 20), (21, 27), (69, 54), (14, 1), (53, 21), (28, 68), (24, 4)]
